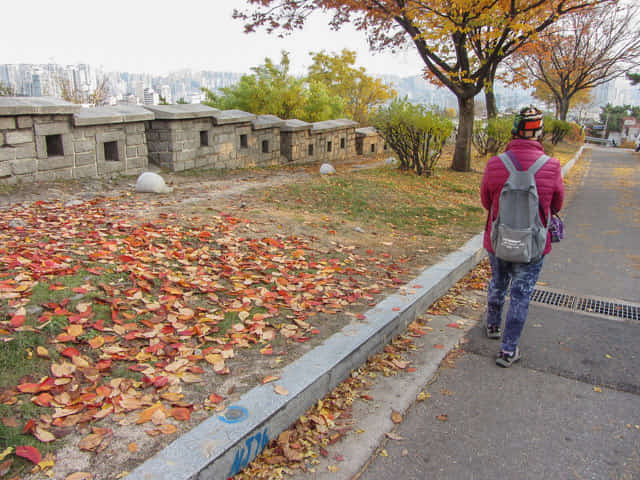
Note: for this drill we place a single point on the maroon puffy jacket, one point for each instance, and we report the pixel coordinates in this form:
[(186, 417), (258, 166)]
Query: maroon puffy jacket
[(548, 182)]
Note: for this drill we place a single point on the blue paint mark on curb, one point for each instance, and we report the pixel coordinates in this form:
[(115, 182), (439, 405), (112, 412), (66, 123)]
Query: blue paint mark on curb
[(234, 414)]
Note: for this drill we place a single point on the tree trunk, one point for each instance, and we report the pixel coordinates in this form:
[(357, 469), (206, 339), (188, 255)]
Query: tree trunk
[(462, 154), (563, 109), (490, 100)]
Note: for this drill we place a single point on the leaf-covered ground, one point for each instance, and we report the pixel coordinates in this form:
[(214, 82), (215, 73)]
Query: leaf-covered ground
[(126, 319)]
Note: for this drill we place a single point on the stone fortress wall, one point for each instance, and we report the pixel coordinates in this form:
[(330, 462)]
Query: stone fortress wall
[(44, 138)]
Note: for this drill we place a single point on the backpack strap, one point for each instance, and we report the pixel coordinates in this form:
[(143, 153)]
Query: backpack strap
[(508, 163), (538, 164)]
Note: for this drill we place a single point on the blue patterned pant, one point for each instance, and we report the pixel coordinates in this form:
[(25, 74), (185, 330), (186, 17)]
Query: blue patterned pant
[(523, 278)]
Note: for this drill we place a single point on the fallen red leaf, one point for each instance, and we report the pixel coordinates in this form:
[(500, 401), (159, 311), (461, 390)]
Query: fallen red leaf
[(30, 453), (215, 398), (180, 413), (70, 352)]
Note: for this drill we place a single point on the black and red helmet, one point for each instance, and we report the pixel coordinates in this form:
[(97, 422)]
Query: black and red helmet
[(528, 123)]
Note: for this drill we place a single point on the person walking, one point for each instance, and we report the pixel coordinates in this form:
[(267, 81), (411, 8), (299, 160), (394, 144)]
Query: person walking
[(525, 151)]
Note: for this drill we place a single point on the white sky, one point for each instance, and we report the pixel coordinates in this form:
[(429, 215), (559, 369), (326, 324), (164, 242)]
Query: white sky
[(159, 37)]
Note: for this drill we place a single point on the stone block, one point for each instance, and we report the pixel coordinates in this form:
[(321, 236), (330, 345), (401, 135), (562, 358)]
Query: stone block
[(136, 139), (134, 128), (7, 153), (23, 167), (160, 125), (55, 163), (85, 159), (189, 164), (84, 146), (51, 175), (85, 171), (26, 150), (7, 123), (110, 136), (110, 167), (132, 152), (142, 151), (17, 137), (159, 146), (176, 146), (56, 128), (162, 159), (25, 122), (187, 156), (203, 161), (5, 169), (138, 163)]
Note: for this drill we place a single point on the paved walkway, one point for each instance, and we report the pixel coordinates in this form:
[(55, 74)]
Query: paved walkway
[(571, 408)]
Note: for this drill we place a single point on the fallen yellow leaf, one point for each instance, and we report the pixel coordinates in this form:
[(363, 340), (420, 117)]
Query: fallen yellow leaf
[(42, 352), (280, 390), (270, 378), (423, 396), (5, 452), (79, 476), (396, 417)]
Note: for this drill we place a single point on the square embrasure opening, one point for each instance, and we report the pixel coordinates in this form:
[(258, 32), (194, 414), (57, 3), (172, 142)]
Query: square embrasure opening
[(204, 138), (265, 146), (111, 152), (54, 145), (244, 141)]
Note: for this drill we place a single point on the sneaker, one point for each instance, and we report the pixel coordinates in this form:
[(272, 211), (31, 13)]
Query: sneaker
[(505, 359), (493, 331)]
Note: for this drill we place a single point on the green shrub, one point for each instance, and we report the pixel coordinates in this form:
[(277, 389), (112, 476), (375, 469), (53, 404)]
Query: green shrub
[(414, 133), (491, 136), (555, 130)]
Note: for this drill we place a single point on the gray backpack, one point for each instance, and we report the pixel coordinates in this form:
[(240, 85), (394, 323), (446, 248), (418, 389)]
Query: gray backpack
[(518, 234)]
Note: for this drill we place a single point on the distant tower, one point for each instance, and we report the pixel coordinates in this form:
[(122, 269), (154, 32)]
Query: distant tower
[(148, 96), (36, 84)]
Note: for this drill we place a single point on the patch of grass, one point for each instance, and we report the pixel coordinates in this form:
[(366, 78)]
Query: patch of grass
[(385, 197), (122, 371), (18, 358)]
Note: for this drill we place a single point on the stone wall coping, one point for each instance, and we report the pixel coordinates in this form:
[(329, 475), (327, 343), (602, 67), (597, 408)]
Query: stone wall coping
[(225, 117), (181, 111), (10, 106), (295, 125), (266, 121), (337, 124), (109, 115), (366, 132)]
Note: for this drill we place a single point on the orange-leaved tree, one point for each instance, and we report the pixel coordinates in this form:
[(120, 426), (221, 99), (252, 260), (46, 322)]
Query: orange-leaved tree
[(582, 51), (461, 42)]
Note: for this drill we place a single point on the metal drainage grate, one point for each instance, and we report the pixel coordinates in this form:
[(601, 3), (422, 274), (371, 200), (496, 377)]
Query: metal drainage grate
[(597, 306), (553, 298)]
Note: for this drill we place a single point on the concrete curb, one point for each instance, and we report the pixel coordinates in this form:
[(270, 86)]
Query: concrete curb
[(222, 445), (569, 165)]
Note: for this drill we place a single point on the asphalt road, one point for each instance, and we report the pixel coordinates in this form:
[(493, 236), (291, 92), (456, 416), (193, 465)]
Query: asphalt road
[(571, 408)]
